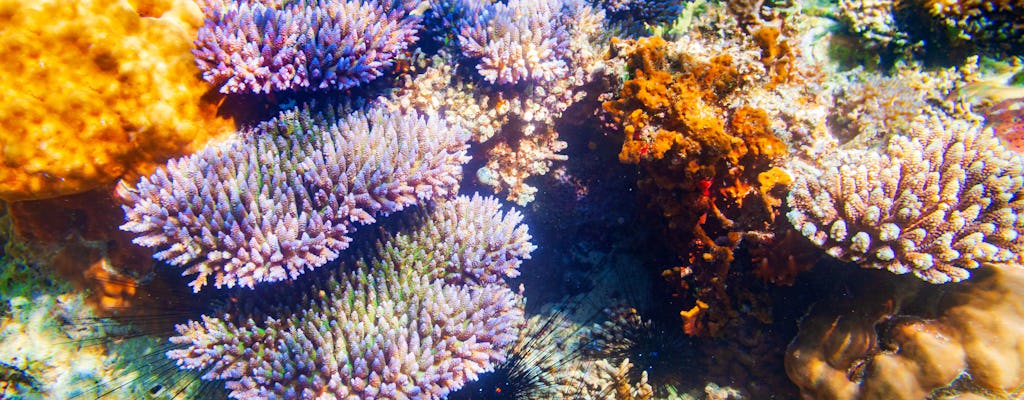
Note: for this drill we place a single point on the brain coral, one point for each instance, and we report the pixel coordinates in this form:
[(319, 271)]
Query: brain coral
[(430, 313), (272, 202), (936, 202), (93, 90), (267, 45), (885, 339)]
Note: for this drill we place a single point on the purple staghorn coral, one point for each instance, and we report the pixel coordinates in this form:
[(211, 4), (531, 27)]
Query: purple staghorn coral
[(270, 203), (444, 18), (632, 17), (429, 314), (265, 45), (522, 40)]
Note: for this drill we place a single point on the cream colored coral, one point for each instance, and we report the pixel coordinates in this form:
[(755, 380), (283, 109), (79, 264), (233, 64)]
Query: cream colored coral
[(519, 123), (96, 89), (935, 202), (875, 20)]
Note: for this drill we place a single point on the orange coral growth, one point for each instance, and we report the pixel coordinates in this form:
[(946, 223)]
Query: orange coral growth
[(94, 90), (776, 54), (770, 183), (708, 164), (692, 323)]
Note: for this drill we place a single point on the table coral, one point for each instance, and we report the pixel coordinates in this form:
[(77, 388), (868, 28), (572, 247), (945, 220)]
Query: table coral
[(428, 314), (893, 339), (263, 46), (938, 201), (95, 90), (272, 202)]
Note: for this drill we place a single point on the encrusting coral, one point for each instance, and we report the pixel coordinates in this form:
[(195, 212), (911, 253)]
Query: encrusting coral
[(272, 202), (428, 314), (938, 201), (263, 46), (901, 339), (95, 90), (710, 166)]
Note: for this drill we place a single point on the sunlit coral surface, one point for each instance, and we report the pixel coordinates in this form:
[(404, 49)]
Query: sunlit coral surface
[(94, 90)]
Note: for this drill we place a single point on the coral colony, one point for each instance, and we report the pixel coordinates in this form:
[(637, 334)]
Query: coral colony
[(264, 46), (714, 153), (429, 313), (268, 204)]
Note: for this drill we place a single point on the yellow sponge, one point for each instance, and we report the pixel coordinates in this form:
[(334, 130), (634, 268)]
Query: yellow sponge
[(96, 89)]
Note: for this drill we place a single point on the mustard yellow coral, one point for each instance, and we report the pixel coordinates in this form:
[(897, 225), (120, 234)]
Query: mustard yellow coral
[(95, 89)]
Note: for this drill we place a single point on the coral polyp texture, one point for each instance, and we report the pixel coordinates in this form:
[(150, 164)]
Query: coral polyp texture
[(901, 339), (522, 40), (936, 202), (633, 17), (96, 90), (263, 46), (277, 200), (430, 313)]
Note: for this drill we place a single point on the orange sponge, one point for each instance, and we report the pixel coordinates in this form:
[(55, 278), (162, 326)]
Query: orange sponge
[(96, 89)]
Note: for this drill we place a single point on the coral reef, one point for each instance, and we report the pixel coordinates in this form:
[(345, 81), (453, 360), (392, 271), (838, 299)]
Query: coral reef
[(263, 46), (36, 345), (894, 339), (709, 163), (272, 202), (431, 312), (521, 40), (980, 20), (515, 122), (874, 20), (633, 17), (97, 90), (1007, 121), (950, 29), (938, 201)]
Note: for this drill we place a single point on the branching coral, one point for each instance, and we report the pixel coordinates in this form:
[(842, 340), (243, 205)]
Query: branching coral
[(270, 203), (632, 17), (431, 312), (522, 40), (936, 202), (266, 45), (518, 120), (980, 19), (95, 90)]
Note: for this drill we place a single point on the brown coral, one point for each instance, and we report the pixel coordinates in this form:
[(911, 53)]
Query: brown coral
[(899, 340), (94, 90)]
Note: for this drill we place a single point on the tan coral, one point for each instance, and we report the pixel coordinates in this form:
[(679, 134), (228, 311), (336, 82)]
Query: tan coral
[(94, 90), (939, 201), (881, 345)]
